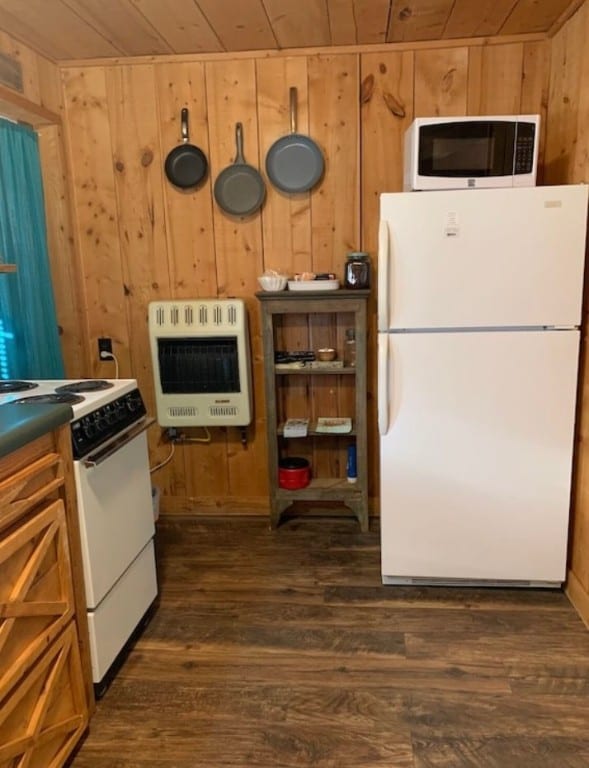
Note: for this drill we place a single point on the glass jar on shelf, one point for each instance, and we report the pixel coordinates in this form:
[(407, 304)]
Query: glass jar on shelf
[(350, 348), (357, 270)]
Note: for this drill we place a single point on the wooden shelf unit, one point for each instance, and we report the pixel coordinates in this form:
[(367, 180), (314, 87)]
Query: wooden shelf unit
[(308, 321)]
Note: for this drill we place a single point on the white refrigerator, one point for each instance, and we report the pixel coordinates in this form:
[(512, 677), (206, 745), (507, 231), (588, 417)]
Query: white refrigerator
[(479, 307)]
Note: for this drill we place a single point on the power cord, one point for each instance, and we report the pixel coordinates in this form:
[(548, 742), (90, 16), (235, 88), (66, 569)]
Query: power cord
[(166, 460), (178, 437), (111, 356), (206, 439), (175, 436)]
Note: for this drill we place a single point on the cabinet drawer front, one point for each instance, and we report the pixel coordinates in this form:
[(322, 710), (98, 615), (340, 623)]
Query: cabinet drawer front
[(22, 490), (46, 714), (36, 596)]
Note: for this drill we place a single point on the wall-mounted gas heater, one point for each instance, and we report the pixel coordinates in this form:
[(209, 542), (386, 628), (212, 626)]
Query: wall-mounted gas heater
[(201, 362)]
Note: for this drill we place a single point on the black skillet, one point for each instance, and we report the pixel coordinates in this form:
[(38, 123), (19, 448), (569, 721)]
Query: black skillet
[(186, 166)]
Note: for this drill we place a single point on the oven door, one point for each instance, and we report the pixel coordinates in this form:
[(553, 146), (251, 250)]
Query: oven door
[(115, 510)]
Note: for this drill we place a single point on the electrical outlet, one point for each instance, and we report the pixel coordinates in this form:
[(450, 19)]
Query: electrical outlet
[(104, 345)]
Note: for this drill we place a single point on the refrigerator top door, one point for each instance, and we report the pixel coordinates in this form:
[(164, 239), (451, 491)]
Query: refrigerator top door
[(484, 258)]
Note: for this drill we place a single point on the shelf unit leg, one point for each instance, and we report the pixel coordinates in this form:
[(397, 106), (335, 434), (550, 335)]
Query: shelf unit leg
[(360, 509), (276, 509)]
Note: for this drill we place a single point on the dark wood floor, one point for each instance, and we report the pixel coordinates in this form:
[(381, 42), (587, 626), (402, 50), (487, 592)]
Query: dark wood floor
[(281, 648)]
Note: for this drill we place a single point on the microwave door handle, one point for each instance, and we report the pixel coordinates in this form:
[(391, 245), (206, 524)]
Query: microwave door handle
[(383, 276), (94, 459)]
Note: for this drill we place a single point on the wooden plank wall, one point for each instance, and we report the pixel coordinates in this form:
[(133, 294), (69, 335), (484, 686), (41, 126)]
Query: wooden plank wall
[(141, 239), (566, 160)]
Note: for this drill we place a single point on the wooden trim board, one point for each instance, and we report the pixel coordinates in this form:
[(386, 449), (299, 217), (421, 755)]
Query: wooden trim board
[(578, 597)]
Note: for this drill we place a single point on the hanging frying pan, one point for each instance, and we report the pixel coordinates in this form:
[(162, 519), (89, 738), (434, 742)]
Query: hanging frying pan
[(186, 166), (239, 189), (294, 163)]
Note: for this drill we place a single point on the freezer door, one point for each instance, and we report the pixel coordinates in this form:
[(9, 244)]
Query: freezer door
[(482, 258), (475, 464)]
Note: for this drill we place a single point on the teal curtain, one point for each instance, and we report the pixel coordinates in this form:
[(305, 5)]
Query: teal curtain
[(29, 338)]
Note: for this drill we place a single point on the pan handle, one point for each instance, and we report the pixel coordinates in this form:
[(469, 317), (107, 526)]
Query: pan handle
[(184, 125), (239, 158), (293, 109)]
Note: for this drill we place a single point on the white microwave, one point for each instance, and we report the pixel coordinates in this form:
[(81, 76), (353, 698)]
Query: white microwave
[(471, 152)]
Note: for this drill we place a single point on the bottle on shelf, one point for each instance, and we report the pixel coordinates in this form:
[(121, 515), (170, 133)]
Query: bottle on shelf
[(351, 466), (350, 348)]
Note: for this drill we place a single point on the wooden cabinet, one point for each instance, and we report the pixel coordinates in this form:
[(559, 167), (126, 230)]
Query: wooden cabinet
[(45, 680), (307, 321)]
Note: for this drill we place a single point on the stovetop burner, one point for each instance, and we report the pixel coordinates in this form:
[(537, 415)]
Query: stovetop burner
[(12, 385), (88, 385), (65, 397)]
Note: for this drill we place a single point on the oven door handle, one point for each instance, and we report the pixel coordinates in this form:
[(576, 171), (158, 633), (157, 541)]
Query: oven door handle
[(94, 459)]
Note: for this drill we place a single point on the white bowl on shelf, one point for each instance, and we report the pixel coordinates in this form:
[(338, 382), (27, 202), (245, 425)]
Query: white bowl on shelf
[(272, 282)]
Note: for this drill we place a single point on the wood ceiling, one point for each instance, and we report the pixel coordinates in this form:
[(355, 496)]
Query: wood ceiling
[(88, 29)]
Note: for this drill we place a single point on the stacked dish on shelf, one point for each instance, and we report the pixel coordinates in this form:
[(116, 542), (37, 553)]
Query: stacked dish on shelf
[(317, 284), (269, 282), (272, 280)]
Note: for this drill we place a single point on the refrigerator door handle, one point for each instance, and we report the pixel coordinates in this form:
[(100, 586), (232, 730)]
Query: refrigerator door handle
[(383, 276), (383, 383)]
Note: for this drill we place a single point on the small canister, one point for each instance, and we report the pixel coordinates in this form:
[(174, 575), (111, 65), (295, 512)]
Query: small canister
[(357, 270), (351, 467)]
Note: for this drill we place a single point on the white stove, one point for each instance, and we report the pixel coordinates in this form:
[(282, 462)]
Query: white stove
[(113, 491), (106, 390)]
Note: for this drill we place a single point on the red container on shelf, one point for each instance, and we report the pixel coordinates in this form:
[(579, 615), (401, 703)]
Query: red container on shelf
[(294, 473)]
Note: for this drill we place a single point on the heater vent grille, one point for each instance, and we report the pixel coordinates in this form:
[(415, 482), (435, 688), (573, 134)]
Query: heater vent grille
[(223, 410), (182, 411), (204, 314)]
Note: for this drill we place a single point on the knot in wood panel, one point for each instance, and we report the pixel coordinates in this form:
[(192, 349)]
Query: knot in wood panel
[(146, 158), (448, 80), (367, 89), (393, 105)]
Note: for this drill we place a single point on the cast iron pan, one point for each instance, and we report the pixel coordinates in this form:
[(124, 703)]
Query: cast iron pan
[(239, 189), (186, 166), (294, 163)]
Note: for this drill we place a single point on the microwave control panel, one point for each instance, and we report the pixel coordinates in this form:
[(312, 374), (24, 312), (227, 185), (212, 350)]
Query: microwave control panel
[(524, 148)]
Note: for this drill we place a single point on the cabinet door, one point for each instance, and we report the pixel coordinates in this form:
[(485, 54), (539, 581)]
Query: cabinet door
[(36, 597), (46, 713), (29, 485)]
